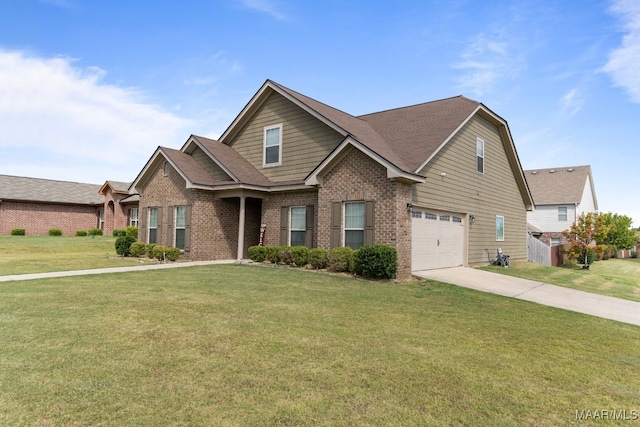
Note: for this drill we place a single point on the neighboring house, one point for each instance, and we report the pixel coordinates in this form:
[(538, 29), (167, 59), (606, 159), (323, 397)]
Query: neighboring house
[(120, 209), (38, 205), (440, 181), (560, 196)]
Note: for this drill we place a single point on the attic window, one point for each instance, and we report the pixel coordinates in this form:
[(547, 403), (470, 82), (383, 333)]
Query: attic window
[(166, 168), (272, 155)]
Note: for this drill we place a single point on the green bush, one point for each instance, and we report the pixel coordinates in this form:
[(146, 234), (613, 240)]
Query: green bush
[(284, 255), (132, 231), (138, 249), (81, 233), (172, 254), (272, 254), (300, 255), (377, 261), (157, 252), (55, 232), (318, 258), (95, 232), (119, 232), (18, 232), (151, 247), (341, 259), (257, 253), (123, 245)]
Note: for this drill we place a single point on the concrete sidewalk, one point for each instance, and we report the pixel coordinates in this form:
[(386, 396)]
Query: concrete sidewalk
[(34, 276), (555, 296)]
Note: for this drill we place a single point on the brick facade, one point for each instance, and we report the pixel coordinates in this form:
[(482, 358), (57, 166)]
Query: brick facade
[(359, 178), (546, 238), (38, 218), (271, 213), (116, 216)]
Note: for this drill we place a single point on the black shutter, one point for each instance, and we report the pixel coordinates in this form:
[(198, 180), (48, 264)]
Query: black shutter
[(336, 221), (308, 232), (284, 225), (369, 215)]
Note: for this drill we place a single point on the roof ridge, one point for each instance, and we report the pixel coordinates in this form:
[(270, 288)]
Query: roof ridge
[(417, 105), (51, 180)]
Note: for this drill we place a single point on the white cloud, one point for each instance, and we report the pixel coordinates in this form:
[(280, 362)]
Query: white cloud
[(485, 60), (265, 6), (624, 61), (62, 120), (571, 103)]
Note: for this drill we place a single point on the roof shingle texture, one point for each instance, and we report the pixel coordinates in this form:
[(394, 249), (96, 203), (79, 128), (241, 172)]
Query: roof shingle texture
[(563, 185), (47, 190)]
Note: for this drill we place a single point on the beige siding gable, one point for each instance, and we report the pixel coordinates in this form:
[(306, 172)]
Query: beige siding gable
[(453, 184), (216, 171), (306, 141)]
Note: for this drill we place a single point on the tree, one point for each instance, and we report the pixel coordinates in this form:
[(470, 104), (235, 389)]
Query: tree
[(583, 234), (619, 233)]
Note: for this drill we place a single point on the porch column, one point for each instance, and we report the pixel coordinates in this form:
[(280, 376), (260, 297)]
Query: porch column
[(241, 228)]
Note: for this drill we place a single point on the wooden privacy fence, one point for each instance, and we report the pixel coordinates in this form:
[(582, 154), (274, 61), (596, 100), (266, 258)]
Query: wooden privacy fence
[(537, 251)]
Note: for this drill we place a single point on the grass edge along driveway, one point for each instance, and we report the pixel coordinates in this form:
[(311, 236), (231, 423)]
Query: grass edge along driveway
[(241, 345)]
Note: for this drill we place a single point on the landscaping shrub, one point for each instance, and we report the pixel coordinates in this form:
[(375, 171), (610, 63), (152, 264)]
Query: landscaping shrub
[(341, 259), (123, 245), (95, 232), (300, 255), (132, 231), (138, 249), (172, 254), (158, 252), (257, 253), (18, 232), (376, 261), (284, 255), (151, 247), (318, 258), (55, 232), (119, 232), (272, 254), (81, 233)]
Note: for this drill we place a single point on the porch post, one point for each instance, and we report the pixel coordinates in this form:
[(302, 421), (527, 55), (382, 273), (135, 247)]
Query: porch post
[(241, 228)]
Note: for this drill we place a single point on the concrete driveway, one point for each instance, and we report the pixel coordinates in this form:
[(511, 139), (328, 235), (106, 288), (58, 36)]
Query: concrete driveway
[(541, 293)]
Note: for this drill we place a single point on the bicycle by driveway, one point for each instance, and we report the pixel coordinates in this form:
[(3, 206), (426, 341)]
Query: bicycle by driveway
[(542, 293)]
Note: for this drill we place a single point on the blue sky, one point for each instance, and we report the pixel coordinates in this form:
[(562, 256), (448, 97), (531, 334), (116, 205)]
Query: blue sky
[(89, 89)]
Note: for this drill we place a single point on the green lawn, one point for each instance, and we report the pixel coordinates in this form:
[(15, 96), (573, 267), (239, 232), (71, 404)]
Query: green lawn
[(246, 345), (614, 277), (38, 254)]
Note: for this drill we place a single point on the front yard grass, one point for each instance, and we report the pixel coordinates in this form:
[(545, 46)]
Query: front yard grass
[(39, 254), (614, 277), (243, 345)]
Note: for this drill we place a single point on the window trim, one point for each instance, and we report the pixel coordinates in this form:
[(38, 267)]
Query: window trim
[(304, 227), (176, 228), (499, 238), (565, 214), (480, 146), (149, 227), (364, 221), (264, 145)]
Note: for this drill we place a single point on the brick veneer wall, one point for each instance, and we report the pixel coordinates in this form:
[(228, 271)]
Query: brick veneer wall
[(357, 177), (117, 217), (271, 213), (38, 218), (546, 238), (214, 221)]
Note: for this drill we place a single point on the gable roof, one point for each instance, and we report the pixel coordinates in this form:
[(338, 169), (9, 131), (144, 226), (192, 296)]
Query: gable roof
[(50, 191), (562, 185), (116, 187)]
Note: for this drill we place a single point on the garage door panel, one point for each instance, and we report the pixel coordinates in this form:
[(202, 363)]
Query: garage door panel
[(437, 240)]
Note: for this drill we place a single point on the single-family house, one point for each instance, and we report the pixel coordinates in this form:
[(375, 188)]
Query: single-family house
[(560, 196), (38, 205), (440, 181)]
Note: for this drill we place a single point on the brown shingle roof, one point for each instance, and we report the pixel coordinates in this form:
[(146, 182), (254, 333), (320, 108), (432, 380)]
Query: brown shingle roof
[(415, 132), (555, 186), (47, 190), (237, 165), (189, 166)]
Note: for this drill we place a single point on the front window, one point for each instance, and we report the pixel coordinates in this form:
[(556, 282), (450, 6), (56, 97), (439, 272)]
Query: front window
[(272, 145), (499, 228), (181, 222), (153, 225), (133, 217), (354, 224), (298, 226), (562, 213), (480, 155), (101, 219)]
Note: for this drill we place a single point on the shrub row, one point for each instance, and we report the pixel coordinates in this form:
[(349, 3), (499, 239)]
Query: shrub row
[(127, 246), (131, 231), (58, 232), (374, 261)]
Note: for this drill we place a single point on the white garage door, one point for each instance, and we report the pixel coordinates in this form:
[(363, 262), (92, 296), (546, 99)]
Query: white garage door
[(437, 240)]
